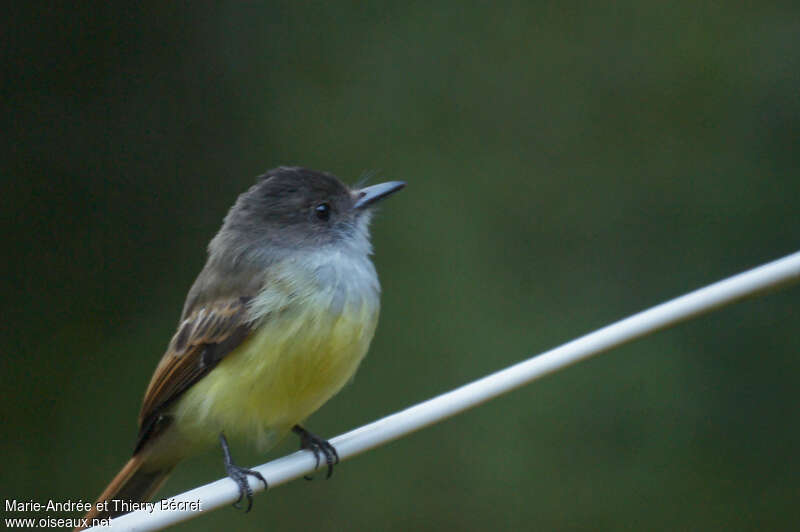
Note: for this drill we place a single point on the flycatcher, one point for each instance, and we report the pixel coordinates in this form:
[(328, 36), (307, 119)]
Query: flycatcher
[(276, 323)]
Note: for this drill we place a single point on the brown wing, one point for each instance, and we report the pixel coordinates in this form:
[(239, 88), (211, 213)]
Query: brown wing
[(203, 338)]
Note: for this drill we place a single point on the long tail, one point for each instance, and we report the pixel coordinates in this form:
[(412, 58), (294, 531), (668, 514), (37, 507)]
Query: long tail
[(134, 483)]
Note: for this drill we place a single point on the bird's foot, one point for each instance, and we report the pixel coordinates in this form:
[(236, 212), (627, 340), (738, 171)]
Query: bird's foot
[(319, 447), (239, 475)]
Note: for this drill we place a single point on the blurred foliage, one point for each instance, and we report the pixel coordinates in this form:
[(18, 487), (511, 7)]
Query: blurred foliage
[(568, 164)]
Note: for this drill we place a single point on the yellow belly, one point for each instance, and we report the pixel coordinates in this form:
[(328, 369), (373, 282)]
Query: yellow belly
[(286, 370)]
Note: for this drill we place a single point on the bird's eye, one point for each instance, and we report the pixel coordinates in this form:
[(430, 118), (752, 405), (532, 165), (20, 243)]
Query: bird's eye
[(323, 211)]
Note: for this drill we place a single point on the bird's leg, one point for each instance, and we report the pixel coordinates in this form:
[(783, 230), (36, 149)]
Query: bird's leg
[(239, 475), (318, 446)]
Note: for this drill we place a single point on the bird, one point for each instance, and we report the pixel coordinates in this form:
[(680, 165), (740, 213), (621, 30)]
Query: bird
[(275, 324)]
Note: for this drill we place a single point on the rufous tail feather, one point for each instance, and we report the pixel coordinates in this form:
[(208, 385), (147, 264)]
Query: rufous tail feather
[(134, 483)]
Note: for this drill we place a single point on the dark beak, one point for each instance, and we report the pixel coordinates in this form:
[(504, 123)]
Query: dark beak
[(371, 194)]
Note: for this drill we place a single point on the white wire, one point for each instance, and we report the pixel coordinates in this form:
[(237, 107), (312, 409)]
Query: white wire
[(224, 492)]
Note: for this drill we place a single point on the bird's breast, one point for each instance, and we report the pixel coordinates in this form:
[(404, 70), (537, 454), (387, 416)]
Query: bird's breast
[(310, 334)]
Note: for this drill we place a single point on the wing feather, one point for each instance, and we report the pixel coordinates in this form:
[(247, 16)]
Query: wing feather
[(203, 338)]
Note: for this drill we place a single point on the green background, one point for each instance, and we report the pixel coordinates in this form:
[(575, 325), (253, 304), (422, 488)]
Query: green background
[(568, 164)]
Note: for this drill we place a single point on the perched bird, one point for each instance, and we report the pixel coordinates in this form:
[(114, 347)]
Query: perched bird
[(275, 324)]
